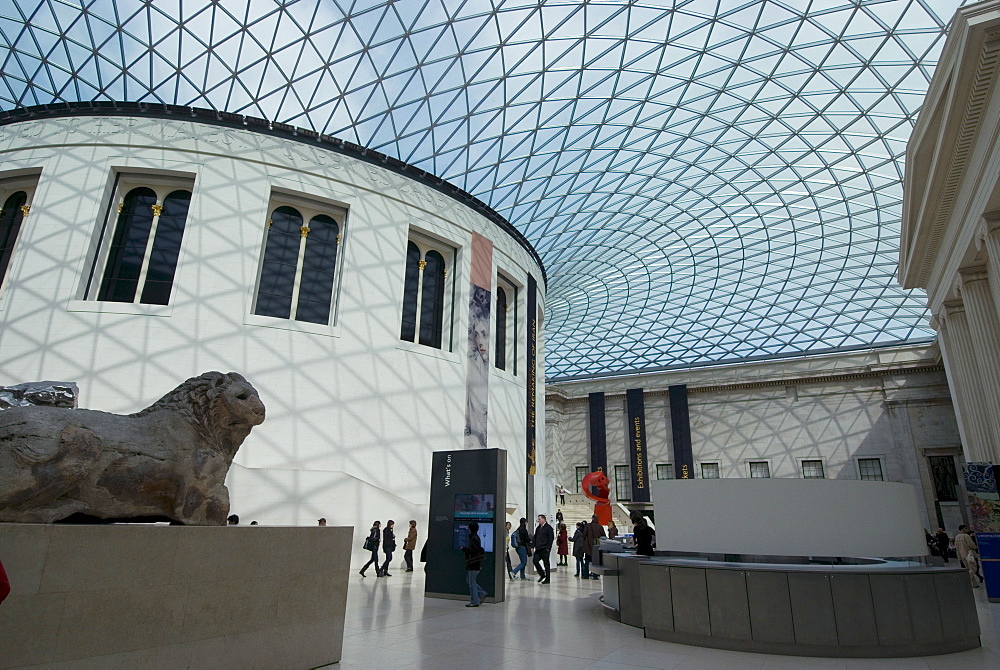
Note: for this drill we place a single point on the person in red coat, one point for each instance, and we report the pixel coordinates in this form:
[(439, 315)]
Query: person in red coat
[(4, 584), (562, 544)]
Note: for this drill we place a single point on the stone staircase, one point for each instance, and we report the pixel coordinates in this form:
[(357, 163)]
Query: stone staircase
[(580, 508)]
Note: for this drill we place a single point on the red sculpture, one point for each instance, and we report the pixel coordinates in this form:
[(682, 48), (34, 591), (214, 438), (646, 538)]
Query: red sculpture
[(600, 481)]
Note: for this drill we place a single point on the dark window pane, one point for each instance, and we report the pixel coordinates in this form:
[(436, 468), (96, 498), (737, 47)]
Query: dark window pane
[(623, 483), (871, 469), (318, 265), (945, 478), (11, 217), (128, 246), (409, 327), (500, 360), (166, 249), (432, 301), (813, 469), (281, 257)]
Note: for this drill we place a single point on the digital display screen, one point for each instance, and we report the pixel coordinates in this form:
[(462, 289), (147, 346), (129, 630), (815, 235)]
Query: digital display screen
[(474, 506), (460, 536)]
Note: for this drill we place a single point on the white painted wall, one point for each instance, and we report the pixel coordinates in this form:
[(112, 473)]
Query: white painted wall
[(353, 413), (788, 517)]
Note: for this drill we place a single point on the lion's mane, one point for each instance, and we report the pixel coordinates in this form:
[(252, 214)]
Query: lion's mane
[(196, 400)]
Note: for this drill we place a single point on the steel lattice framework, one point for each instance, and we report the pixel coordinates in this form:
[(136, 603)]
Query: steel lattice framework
[(705, 180)]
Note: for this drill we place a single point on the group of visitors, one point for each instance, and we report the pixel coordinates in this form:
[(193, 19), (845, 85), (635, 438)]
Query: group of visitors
[(586, 540), (386, 538), (965, 549)]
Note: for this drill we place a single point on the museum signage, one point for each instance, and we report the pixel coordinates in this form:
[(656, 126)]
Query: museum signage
[(680, 428), (635, 440), (532, 400)]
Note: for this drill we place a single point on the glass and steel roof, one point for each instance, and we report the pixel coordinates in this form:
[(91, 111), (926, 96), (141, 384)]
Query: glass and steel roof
[(705, 180)]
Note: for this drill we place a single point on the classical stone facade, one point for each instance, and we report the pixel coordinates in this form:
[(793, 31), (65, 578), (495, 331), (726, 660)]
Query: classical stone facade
[(951, 220), (851, 412)]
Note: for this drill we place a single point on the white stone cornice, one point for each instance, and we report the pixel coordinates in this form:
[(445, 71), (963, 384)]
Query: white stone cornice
[(956, 118)]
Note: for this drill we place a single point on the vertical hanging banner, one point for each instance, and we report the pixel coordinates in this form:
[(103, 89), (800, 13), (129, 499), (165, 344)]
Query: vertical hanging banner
[(532, 392), (984, 516), (635, 440), (680, 429), (478, 378), (598, 434)]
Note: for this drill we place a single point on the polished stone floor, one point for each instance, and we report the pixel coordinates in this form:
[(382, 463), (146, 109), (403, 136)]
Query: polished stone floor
[(558, 627)]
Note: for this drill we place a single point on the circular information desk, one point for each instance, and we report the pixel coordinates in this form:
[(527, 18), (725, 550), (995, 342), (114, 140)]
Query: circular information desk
[(883, 609)]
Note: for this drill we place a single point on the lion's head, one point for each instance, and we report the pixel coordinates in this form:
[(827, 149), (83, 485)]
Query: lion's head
[(222, 407)]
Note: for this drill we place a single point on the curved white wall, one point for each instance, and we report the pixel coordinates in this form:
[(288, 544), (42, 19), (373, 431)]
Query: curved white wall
[(788, 517), (353, 413)]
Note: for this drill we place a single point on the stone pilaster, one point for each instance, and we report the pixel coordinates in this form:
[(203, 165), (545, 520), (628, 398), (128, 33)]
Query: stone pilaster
[(963, 373), (984, 329)]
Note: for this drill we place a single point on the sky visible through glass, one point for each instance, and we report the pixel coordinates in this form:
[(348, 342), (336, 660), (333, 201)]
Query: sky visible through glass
[(705, 181)]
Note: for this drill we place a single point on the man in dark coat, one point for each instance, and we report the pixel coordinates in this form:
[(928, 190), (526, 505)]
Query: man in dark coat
[(592, 535), (942, 540), (544, 538)]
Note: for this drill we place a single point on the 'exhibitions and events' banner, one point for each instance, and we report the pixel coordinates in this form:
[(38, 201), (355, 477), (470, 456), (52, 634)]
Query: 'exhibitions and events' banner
[(635, 440), (532, 391), (680, 428), (598, 433), (477, 382), (984, 516)]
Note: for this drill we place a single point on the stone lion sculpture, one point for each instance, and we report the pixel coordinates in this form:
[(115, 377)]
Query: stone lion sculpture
[(167, 462)]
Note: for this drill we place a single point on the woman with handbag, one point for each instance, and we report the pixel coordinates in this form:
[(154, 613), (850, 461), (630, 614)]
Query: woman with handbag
[(388, 546), (371, 544)]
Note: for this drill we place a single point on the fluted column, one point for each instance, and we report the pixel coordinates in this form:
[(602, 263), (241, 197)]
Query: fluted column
[(959, 392), (991, 240), (984, 329), (964, 368)]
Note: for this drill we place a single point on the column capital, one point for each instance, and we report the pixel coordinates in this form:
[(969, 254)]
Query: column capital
[(972, 274), (953, 307)]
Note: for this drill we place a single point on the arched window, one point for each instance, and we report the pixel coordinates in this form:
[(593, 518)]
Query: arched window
[(11, 216), (319, 264), (138, 261), (128, 246), (299, 266), (426, 293), (280, 266), (432, 300), (408, 331), (500, 359), (166, 249), (506, 325)]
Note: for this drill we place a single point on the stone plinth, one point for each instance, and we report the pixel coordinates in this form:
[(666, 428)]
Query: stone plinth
[(154, 596)]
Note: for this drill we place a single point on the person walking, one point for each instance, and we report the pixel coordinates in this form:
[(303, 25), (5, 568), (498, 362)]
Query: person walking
[(371, 544), (559, 517), (578, 547), (506, 551), (521, 540), (592, 535), (942, 541), (642, 535), (612, 530), (544, 538), (968, 554), (562, 545), (473, 564), (388, 546), (409, 544)]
